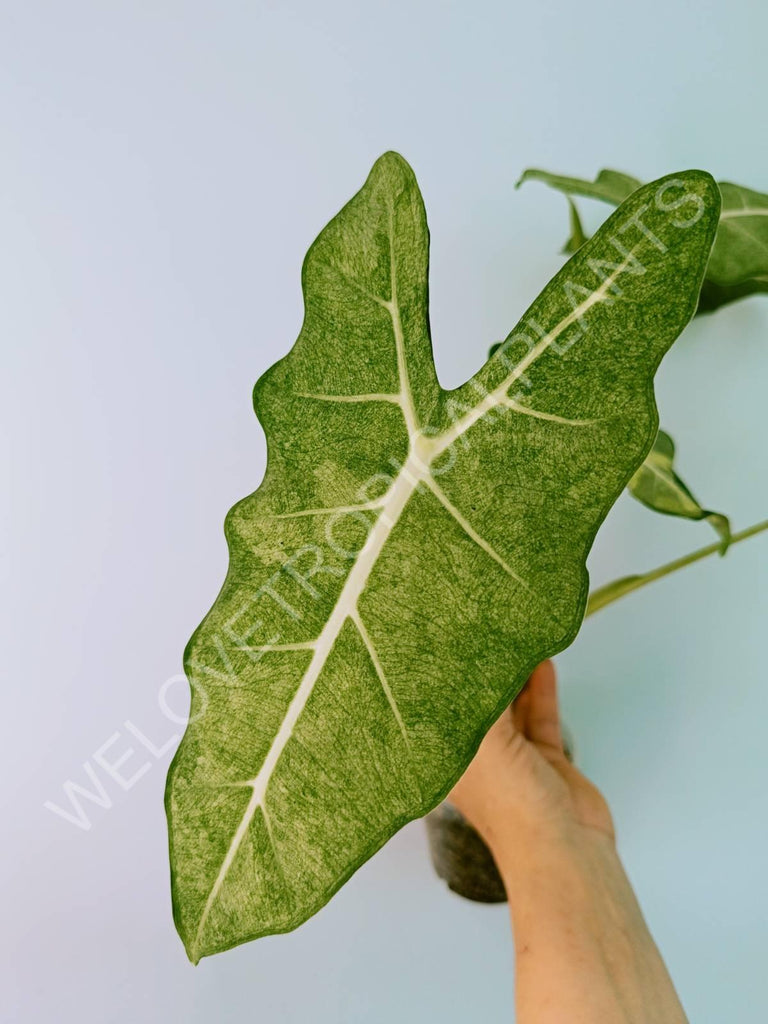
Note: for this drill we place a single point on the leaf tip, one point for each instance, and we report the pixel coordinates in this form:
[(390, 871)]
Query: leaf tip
[(708, 184), (191, 945), (722, 526), (525, 176), (392, 164)]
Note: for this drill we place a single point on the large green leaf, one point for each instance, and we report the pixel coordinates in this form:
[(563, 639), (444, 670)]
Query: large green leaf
[(412, 553), (657, 485), (738, 266)]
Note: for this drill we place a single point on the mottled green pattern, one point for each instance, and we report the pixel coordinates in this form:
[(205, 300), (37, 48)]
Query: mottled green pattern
[(412, 552), (657, 485), (738, 266)]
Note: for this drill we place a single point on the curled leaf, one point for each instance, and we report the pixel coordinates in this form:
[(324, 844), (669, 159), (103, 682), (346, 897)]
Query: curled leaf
[(657, 485), (609, 186)]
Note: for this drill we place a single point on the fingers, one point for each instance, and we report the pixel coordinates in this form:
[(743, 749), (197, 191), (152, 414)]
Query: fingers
[(538, 716)]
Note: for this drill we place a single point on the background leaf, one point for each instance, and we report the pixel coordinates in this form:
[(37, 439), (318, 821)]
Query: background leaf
[(609, 186), (738, 266), (412, 552), (657, 485)]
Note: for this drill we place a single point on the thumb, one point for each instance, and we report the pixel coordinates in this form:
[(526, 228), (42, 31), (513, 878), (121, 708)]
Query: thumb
[(537, 710)]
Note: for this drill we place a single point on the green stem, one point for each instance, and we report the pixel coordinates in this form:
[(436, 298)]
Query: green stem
[(618, 588)]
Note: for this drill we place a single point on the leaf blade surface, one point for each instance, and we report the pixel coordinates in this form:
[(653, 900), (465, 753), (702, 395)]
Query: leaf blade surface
[(412, 552)]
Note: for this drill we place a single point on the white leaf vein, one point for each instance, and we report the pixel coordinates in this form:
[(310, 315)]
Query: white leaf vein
[(373, 654)]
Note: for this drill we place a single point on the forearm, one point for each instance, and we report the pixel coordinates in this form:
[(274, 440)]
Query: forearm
[(583, 951)]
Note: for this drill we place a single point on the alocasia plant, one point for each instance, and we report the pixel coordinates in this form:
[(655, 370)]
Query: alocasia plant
[(412, 552)]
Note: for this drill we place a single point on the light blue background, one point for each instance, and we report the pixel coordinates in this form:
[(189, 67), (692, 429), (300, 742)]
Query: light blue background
[(165, 166)]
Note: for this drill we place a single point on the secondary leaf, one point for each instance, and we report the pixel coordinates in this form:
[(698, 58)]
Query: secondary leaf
[(609, 186), (738, 266), (412, 552), (656, 485)]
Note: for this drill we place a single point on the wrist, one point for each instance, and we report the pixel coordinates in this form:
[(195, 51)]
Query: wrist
[(524, 844), (572, 906), (548, 864), (572, 872), (573, 884)]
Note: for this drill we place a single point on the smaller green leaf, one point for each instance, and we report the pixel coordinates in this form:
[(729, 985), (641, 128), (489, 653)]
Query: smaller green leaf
[(657, 485), (609, 186), (738, 265)]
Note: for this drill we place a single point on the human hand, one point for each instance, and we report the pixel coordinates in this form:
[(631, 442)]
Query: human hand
[(583, 950), (521, 783)]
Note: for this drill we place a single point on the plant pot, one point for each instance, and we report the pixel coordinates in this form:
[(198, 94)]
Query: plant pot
[(461, 857)]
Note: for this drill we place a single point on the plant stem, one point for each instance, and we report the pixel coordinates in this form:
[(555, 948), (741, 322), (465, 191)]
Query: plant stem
[(611, 592)]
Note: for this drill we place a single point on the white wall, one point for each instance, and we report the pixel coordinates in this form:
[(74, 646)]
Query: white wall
[(165, 166)]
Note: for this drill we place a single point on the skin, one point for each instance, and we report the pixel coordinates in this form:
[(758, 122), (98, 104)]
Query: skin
[(583, 953)]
